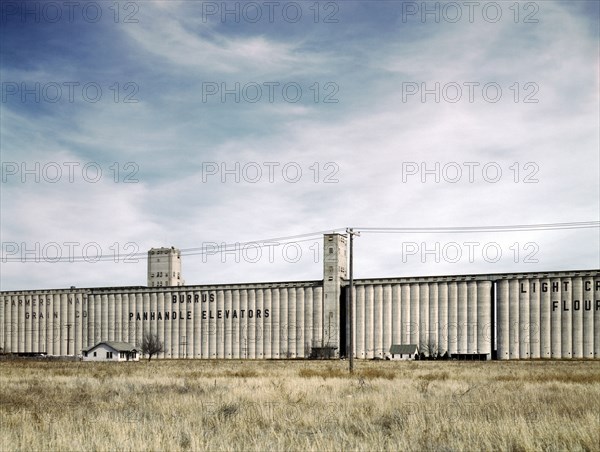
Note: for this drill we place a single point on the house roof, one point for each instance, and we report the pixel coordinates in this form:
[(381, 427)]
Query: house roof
[(117, 346), (403, 349)]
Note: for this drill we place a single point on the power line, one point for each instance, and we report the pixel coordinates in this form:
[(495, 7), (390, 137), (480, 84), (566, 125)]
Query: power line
[(214, 247)]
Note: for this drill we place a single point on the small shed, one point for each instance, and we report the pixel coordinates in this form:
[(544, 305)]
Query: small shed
[(404, 351), (111, 351)]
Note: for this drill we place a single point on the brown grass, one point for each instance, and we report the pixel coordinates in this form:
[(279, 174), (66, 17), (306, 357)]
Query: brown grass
[(300, 405)]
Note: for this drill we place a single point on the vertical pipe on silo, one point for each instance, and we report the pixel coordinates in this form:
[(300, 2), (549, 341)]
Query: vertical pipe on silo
[(258, 323), (283, 323), (71, 336), (378, 320), (545, 319), (91, 321), (235, 323), (396, 315), (220, 324), (188, 322), (204, 337), (405, 314), (588, 317), (556, 298), (274, 322), (513, 318), (359, 339), (318, 316), (14, 325), (433, 318), (267, 328), (503, 320), (369, 321), (577, 328), (596, 308), (388, 319), (21, 325), (299, 332), (534, 319), (424, 318), (452, 326), (212, 324), (462, 307), (567, 318), (443, 317), (308, 316), (414, 314), (484, 318), (228, 322), (471, 326), (291, 331)]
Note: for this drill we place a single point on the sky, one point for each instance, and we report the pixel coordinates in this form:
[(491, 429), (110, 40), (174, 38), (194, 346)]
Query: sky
[(131, 125)]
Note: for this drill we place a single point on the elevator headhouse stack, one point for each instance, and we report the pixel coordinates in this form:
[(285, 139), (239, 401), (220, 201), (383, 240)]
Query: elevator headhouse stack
[(553, 315)]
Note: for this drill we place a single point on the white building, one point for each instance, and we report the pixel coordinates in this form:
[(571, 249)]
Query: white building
[(164, 267), (111, 351), (404, 352)]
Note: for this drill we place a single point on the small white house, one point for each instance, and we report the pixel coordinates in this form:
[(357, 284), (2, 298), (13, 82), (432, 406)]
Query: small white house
[(111, 351), (404, 351)]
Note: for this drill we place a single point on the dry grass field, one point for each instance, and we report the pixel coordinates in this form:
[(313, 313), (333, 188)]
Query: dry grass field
[(300, 405)]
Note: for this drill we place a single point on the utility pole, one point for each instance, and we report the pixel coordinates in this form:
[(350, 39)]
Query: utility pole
[(68, 338), (350, 298)]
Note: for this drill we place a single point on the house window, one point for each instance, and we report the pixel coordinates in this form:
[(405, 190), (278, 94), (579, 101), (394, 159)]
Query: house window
[(94, 353), (122, 355), (109, 355), (330, 250), (84, 353)]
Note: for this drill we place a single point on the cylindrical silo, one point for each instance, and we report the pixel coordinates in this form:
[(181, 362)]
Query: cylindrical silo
[(6, 306), (118, 318), (503, 320), (308, 317), (258, 333), (545, 318), (588, 317), (71, 335), (291, 332), (235, 324), (274, 322), (524, 326), (220, 324), (556, 297), (462, 308), (3, 304), (63, 324), (534, 319), (283, 324), (160, 317), (378, 320), (14, 335), (471, 325), (110, 318), (359, 317), (566, 318), (104, 317), (484, 318), (83, 343), (396, 315), (318, 316), (424, 344), (388, 319), (168, 323), (452, 327), (414, 314), (267, 332), (405, 314), (369, 321), (596, 308), (299, 330), (91, 339), (433, 318), (513, 316), (442, 322), (227, 313), (577, 326), (26, 325)]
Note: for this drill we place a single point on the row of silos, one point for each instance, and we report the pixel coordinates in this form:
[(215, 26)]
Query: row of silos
[(440, 317), (252, 322), (50, 322), (548, 317)]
